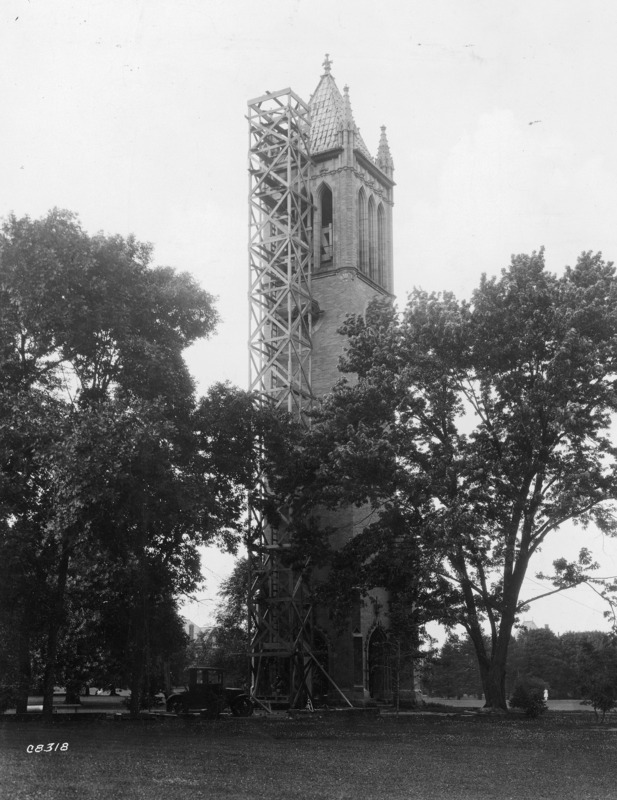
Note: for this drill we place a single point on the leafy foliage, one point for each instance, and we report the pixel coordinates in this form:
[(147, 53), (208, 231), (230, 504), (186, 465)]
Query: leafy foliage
[(110, 474), (472, 431), (564, 663), (599, 683), (539, 652), (454, 671), (225, 644), (528, 695)]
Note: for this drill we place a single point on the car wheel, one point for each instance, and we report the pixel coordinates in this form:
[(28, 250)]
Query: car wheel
[(242, 707), (176, 706)]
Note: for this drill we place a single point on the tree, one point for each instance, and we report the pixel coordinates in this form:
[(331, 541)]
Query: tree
[(537, 653), (231, 636), (97, 446), (572, 646), (454, 672), (30, 425), (485, 425), (599, 684), (226, 644)]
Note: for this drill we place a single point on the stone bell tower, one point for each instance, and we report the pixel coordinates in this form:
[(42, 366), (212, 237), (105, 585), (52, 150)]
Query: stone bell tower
[(352, 223), (320, 248), (352, 264)]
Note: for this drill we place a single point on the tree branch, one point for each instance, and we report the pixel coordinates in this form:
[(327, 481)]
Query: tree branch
[(547, 594)]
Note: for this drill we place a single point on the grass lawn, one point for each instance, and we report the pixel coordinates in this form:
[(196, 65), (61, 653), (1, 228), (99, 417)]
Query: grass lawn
[(329, 756)]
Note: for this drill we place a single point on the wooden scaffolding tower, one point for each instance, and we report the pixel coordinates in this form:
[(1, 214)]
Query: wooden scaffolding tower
[(281, 314), (280, 249)]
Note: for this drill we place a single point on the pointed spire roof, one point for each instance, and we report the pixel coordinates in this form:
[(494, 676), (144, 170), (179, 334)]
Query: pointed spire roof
[(331, 113), (348, 120), (384, 156)]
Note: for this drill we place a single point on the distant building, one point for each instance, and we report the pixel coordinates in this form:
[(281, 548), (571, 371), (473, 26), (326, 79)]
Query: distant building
[(191, 629)]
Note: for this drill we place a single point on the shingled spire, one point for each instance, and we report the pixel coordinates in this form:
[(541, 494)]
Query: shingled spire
[(331, 113)]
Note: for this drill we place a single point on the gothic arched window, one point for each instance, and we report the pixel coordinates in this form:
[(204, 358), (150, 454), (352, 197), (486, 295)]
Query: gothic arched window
[(326, 234), (362, 233), (381, 245), (372, 240)]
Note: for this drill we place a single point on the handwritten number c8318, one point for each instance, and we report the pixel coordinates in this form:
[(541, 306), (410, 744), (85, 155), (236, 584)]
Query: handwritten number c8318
[(51, 747)]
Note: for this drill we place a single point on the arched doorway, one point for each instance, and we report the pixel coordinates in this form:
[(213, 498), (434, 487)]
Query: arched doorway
[(379, 672)]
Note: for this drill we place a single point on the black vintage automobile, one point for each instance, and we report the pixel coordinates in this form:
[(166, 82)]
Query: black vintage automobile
[(206, 693)]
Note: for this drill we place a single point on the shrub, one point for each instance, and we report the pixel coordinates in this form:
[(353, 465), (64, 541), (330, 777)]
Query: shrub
[(528, 695), (600, 665), (602, 697)]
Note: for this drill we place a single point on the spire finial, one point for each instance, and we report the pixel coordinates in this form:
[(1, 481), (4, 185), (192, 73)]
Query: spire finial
[(327, 64)]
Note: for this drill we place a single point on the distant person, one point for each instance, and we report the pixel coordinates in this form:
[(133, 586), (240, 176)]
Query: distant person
[(545, 695)]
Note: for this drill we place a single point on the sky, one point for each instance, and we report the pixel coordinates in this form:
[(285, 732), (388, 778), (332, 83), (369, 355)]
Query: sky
[(501, 119)]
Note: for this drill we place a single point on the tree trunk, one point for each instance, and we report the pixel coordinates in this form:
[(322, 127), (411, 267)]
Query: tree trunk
[(55, 623), (73, 689), (139, 661), (140, 619), (494, 685), (494, 672), (25, 670)]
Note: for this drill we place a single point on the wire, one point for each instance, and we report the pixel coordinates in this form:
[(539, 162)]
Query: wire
[(212, 572), (565, 596)]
